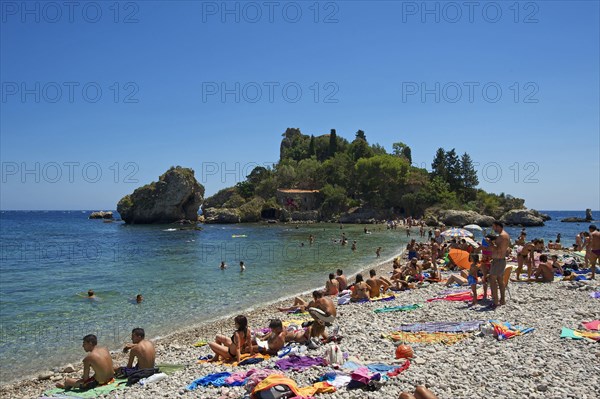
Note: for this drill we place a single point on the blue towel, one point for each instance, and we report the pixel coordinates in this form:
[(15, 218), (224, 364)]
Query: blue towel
[(216, 379), (380, 368)]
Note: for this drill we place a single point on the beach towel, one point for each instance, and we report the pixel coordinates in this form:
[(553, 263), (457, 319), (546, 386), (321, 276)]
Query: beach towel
[(169, 369), (403, 308), (579, 334), (299, 363), (443, 326), (427, 337), (278, 379), (592, 325), (461, 296), (90, 393), (230, 362), (595, 294), (200, 344), (383, 297), (505, 330), (215, 379)]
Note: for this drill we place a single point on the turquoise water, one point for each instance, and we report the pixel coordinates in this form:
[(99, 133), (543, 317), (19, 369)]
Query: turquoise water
[(51, 259)]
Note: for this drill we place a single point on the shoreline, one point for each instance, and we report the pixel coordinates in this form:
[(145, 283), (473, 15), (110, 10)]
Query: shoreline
[(218, 324), (523, 366)]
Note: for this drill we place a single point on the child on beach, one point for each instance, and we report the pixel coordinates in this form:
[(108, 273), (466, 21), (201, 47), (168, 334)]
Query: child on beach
[(275, 340), (472, 278)]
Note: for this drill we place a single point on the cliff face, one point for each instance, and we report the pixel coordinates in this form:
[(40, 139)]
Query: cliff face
[(176, 196)]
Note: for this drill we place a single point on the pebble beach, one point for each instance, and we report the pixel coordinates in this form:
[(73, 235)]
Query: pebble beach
[(539, 364)]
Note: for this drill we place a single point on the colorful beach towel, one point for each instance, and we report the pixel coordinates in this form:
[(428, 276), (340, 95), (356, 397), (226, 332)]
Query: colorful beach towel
[(580, 334), (243, 360), (403, 308), (443, 326), (426, 337), (90, 393), (505, 330), (592, 325), (460, 296), (299, 363), (595, 294)]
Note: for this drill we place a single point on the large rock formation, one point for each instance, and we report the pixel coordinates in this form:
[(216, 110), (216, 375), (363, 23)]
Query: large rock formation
[(221, 215), (176, 196), (523, 217), (588, 218), (462, 218), (101, 215), (450, 217)]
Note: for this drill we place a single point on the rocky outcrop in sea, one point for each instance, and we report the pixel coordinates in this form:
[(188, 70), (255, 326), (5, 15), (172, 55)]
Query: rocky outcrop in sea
[(175, 196)]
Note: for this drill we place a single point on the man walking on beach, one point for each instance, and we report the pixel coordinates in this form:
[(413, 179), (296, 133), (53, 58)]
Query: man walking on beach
[(594, 254), (499, 246), (99, 360)]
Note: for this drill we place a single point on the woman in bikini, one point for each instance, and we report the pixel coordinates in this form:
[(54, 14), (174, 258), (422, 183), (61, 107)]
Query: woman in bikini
[(525, 258), (232, 348), (361, 289)]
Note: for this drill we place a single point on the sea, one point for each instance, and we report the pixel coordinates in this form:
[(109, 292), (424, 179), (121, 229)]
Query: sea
[(50, 259)]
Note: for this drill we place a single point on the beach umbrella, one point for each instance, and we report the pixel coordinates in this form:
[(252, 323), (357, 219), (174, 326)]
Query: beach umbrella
[(460, 258), (456, 232), (472, 242), (473, 227)]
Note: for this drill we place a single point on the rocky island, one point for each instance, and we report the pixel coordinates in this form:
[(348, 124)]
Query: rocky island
[(175, 197), (328, 178)]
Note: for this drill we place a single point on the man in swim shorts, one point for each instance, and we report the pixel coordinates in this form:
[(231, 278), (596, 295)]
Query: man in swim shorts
[(498, 245), (140, 348), (544, 272), (99, 360), (594, 254)]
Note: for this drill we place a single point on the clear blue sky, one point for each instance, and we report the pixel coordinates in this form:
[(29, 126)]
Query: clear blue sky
[(371, 65)]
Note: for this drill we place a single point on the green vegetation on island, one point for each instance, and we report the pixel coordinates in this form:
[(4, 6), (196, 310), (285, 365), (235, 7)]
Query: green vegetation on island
[(335, 175)]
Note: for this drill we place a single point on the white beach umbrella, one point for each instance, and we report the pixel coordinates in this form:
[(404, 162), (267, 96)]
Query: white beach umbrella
[(473, 227)]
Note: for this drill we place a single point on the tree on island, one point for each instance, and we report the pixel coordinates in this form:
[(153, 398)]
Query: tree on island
[(402, 150), (332, 143)]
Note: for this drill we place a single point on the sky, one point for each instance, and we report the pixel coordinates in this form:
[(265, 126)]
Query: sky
[(99, 98)]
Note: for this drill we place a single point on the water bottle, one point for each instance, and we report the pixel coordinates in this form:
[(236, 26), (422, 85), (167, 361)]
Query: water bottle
[(153, 378)]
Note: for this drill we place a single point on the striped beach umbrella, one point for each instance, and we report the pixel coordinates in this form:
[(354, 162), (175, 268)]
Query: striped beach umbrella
[(456, 232)]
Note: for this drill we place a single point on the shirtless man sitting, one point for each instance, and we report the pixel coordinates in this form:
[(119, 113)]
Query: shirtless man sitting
[(275, 340), (376, 284), (99, 360), (544, 272), (342, 280), (140, 348)]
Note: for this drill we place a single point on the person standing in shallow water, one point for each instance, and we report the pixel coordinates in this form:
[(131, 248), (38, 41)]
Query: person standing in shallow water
[(242, 266)]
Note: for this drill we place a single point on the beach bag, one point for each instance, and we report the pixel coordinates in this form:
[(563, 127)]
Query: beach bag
[(279, 391), (334, 355)]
